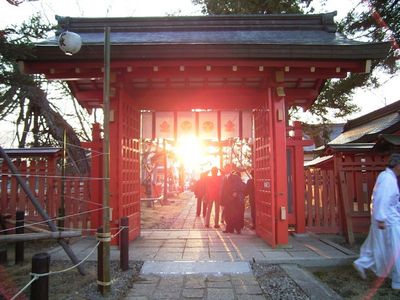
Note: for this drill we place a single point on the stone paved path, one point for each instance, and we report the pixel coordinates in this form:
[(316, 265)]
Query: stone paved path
[(187, 241), (211, 287)]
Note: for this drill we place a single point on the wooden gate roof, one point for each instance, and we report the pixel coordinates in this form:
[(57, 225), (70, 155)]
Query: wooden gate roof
[(162, 59), (252, 36)]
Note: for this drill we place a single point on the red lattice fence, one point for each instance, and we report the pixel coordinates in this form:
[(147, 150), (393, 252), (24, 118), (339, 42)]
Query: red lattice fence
[(42, 176), (329, 200)]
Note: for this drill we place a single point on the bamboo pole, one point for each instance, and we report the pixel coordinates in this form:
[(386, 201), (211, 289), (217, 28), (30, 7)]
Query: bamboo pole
[(104, 247), (25, 237), (61, 209)]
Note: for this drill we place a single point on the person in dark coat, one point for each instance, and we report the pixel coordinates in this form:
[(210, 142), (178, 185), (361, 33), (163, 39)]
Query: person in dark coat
[(200, 193), (233, 190), (213, 197), (250, 191)]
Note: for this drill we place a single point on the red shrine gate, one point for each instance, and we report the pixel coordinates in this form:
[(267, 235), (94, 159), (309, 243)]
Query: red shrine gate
[(265, 64)]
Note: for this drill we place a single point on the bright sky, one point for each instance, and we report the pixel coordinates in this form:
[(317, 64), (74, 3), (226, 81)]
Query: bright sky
[(367, 100)]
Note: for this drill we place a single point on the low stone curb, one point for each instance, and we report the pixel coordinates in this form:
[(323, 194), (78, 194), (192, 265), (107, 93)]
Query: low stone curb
[(313, 287)]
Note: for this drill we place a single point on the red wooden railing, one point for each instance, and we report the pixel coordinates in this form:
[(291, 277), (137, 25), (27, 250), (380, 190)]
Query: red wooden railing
[(325, 194), (43, 178), (321, 201)]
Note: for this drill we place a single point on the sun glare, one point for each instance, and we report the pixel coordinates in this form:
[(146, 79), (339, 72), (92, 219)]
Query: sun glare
[(190, 152)]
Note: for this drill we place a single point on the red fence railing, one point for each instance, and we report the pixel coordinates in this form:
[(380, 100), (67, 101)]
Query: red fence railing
[(325, 193), (42, 176), (321, 201)]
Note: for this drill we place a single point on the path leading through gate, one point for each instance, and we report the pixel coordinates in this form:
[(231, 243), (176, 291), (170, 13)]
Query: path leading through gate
[(187, 240), (189, 261), (180, 213)]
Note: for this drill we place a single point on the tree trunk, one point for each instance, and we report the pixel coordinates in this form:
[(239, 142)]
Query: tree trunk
[(57, 124)]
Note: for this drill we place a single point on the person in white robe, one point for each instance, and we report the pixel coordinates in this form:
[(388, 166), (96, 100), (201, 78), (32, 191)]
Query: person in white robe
[(380, 251)]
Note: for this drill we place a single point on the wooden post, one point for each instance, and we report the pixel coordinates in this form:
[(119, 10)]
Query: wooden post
[(61, 209), (279, 165), (40, 287), (124, 244), (4, 217), (100, 263), (346, 209), (105, 244), (19, 246), (299, 187), (3, 256), (103, 276)]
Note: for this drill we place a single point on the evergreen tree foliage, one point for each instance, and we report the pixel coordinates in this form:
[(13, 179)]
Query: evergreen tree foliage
[(237, 7), (373, 21)]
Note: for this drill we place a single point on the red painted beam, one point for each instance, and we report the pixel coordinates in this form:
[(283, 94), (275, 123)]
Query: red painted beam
[(186, 99), (30, 67), (217, 98), (293, 94), (94, 95), (218, 72), (305, 74), (163, 73), (74, 76)]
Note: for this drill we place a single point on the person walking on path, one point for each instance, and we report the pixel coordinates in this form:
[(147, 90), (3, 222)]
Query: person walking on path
[(380, 251), (250, 191), (225, 172), (213, 196), (233, 191), (200, 192)]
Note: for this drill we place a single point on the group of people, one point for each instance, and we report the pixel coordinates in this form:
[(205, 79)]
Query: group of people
[(226, 191)]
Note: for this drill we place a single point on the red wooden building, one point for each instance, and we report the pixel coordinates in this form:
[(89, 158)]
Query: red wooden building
[(260, 63), (339, 185)]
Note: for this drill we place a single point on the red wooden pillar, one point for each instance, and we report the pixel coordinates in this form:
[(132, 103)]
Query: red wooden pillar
[(299, 179), (278, 112), (96, 173), (115, 163)]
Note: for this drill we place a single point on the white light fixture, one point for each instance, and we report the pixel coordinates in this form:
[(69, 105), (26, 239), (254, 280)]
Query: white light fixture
[(69, 42)]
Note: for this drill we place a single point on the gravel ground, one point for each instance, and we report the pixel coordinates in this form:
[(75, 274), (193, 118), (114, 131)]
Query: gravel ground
[(121, 283), (345, 281), (70, 285), (276, 284)]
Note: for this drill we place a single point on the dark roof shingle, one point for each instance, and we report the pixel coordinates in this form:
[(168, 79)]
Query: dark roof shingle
[(284, 36)]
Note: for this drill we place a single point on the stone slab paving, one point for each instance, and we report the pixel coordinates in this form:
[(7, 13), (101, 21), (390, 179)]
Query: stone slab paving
[(196, 286), (191, 245), (211, 245), (195, 267)]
